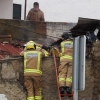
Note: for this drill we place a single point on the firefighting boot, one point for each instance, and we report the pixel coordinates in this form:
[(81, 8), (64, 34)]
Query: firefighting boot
[(68, 90), (62, 90)]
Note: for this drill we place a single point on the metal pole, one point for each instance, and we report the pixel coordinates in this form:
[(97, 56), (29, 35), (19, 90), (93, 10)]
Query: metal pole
[(75, 94), (82, 49), (75, 67), (25, 10)]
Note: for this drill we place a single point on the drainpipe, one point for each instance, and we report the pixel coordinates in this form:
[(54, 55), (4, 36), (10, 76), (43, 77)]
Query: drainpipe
[(25, 9)]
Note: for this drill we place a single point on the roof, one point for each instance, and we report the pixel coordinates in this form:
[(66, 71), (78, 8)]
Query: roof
[(84, 25), (9, 50)]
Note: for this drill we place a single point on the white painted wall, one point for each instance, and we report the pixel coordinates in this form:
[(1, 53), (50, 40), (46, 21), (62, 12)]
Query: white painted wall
[(6, 9), (65, 10)]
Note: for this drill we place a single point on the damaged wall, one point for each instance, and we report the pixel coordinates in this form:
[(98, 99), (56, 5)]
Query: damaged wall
[(96, 72), (11, 72), (33, 30), (11, 79), (22, 30), (92, 89), (55, 29)]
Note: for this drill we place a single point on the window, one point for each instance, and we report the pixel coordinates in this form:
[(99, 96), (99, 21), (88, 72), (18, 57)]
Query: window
[(16, 11)]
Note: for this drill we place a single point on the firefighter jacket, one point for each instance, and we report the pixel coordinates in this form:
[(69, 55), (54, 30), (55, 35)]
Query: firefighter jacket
[(66, 50), (44, 51), (32, 62), (35, 15)]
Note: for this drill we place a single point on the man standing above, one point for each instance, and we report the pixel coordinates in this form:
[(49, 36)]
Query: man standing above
[(35, 14)]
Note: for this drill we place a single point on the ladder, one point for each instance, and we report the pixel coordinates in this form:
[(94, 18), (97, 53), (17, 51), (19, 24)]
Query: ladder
[(59, 95)]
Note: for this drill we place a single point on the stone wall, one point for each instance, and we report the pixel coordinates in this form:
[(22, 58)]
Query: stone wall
[(96, 72), (23, 30), (12, 83), (92, 89), (89, 83), (11, 71), (11, 80), (55, 29)]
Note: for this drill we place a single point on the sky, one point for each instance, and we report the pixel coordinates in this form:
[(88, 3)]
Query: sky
[(65, 10)]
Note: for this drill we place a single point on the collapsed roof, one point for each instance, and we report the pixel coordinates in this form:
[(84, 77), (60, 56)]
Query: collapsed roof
[(84, 25)]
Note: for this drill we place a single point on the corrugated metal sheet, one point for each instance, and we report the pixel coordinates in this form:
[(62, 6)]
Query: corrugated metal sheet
[(9, 50)]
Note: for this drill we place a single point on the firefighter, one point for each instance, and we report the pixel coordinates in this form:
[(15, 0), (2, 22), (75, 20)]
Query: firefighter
[(65, 68), (44, 49), (32, 71)]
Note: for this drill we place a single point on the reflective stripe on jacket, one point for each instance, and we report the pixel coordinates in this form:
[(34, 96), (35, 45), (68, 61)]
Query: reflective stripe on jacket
[(44, 51), (32, 62), (66, 44), (66, 57), (66, 50)]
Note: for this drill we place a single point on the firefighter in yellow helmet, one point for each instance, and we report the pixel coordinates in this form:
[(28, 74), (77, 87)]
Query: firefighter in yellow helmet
[(32, 71), (40, 47), (65, 68)]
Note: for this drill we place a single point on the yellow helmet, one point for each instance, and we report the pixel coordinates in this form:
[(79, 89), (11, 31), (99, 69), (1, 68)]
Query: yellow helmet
[(30, 45)]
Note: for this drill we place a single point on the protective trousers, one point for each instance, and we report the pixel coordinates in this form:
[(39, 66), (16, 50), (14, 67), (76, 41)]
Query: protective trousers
[(33, 87), (65, 74)]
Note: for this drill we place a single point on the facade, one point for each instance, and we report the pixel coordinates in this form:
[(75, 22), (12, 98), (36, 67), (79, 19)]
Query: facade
[(10, 10), (20, 2), (6, 9)]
